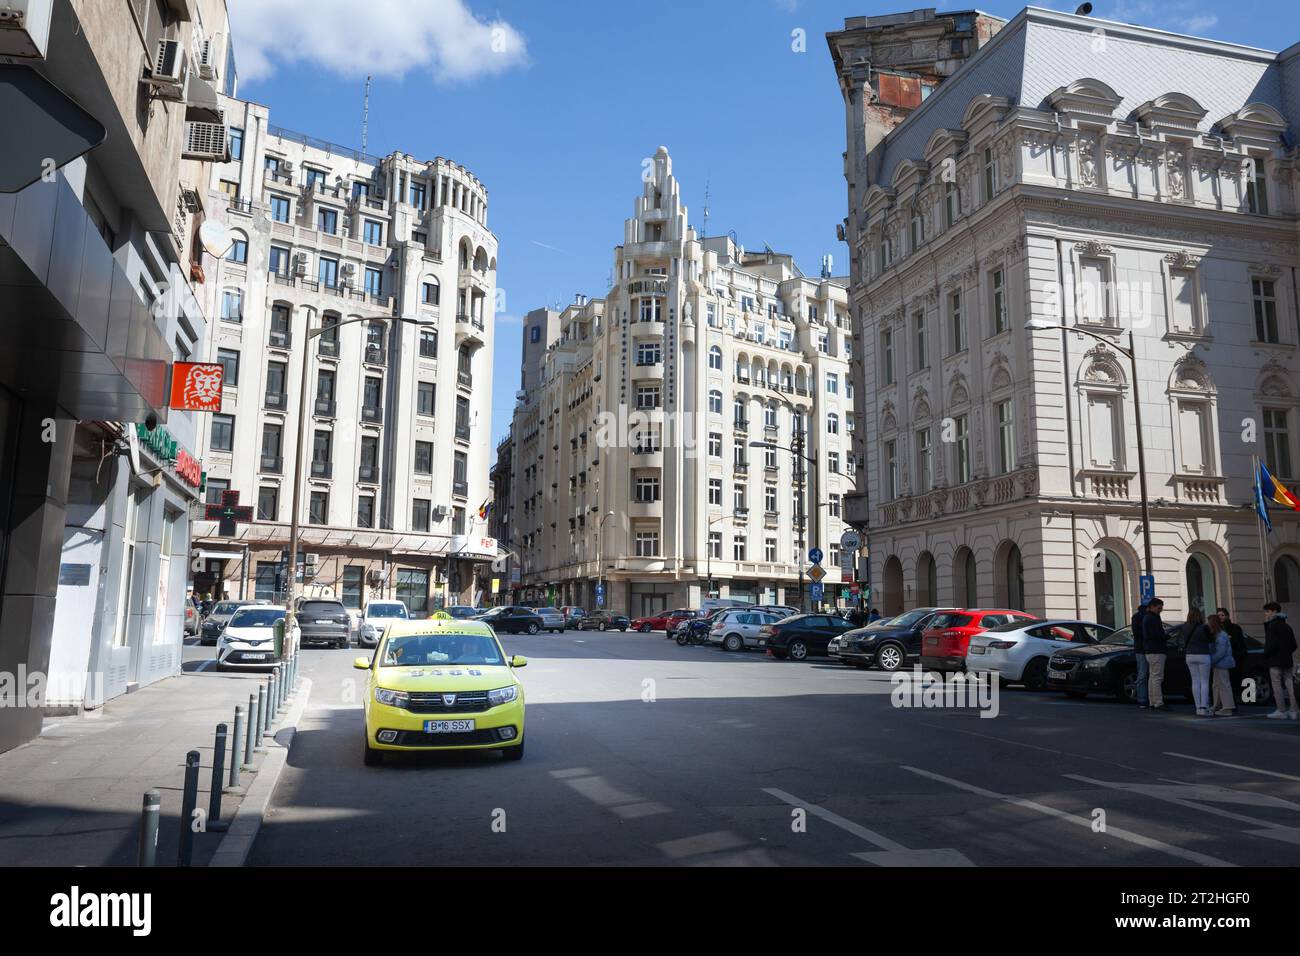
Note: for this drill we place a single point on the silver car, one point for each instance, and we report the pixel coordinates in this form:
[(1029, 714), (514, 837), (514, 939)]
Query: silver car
[(552, 619), (738, 628)]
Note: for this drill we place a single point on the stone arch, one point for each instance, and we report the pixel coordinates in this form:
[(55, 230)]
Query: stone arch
[(891, 592)]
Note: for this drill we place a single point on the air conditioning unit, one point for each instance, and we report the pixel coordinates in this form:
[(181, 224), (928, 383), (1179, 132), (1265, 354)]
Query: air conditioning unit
[(169, 73), (25, 28), (207, 141), (309, 559), (300, 263), (208, 59), (286, 165), (349, 269)]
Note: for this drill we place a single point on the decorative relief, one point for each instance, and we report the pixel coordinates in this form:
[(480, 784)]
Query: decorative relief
[(1102, 366), (1088, 161), (1182, 259), (1176, 177), (1093, 248), (1191, 374)]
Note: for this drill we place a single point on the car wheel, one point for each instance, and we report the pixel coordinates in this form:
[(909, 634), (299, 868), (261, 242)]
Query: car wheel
[(733, 642), (1035, 674), (644, 628), (797, 650), (513, 753), (681, 640), (343, 644), (532, 628), (890, 657), (622, 630), (373, 757), (1127, 689)]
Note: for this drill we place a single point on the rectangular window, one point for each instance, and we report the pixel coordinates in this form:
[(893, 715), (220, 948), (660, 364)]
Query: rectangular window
[(1006, 436), (924, 471), (739, 547), (319, 508), (1264, 294), (429, 293), (216, 487), (366, 511), (278, 261), (1277, 442), (267, 587), (833, 462), (232, 306), (922, 341), (715, 544), (276, 373), (413, 590), (1094, 291), (353, 576), (428, 343), (769, 550), (238, 252), (769, 499), (420, 514), (223, 433), (833, 507), (832, 383), (715, 444), (272, 442), (281, 208), (715, 491), (374, 233), (327, 271), (236, 141), (418, 194), (957, 328), (998, 306), (1256, 187), (647, 353), (647, 544), (990, 175), (424, 458), (1102, 431), (268, 503), (647, 396), (738, 499), (891, 468), (327, 221), (950, 203), (229, 360), (1184, 306), (424, 398), (647, 488), (887, 356), (961, 448), (1192, 434)]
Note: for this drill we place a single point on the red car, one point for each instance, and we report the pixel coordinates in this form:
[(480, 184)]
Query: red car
[(944, 642), (664, 621)]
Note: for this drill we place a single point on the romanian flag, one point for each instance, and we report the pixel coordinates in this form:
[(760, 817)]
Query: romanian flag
[(486, 508), (1268, 490)]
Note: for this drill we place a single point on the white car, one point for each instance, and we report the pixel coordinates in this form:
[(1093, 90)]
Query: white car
[(379, 614), (1018, 652), (248, 640), (738, 628)]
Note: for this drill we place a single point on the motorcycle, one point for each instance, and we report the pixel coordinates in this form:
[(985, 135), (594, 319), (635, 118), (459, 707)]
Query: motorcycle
[(692, 633)]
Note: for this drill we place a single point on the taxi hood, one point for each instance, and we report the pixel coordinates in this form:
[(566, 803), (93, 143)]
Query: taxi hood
[(448, 677)]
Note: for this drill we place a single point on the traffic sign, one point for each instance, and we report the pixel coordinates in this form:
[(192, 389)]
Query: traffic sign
[(55, 129), (600, 595), (1147, 587), (815, 555), (850, 541), (816, 572), (847, 565), (817, 591)]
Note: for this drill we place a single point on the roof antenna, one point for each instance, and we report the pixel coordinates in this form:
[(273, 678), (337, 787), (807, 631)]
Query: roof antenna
[(365, 118), (704, 227)]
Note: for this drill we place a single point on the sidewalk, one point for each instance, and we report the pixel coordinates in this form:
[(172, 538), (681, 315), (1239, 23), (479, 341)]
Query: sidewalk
[(72, 797)]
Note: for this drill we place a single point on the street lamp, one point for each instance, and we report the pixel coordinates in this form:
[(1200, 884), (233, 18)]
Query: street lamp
[(801, 461), (600, 557), (1042, 325), (709, 546), (290, 616)]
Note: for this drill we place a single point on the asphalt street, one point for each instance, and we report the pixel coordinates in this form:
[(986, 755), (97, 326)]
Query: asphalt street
[(641, 752)]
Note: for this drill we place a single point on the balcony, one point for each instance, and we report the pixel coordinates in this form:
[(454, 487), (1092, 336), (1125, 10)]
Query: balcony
[(280, 339), (742, 424), (374, 355), (770, 430), (272, 464), (325, 407), (279, 401), (327, 348), (469, 328), (740, 467), (368, 473), (322, 469), (373, 414), (465, 379), (460, 488)]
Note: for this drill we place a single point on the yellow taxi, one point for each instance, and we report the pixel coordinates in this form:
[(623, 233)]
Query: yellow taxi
[(442, 684)]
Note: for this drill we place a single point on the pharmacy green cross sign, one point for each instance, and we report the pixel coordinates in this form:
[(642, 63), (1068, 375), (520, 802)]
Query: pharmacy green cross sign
[(230, 513)]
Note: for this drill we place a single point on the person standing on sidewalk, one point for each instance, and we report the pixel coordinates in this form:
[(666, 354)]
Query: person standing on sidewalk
[(1155, 645), (1279, 651), (1199, 650), (1237, 638), (1222, 661), (1141, 684)]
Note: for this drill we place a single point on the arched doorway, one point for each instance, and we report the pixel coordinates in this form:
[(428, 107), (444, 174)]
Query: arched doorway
[(1011, 592), (1202, 592), (1108, 590), (927, 581), (1286, 583), (964, 582), (892, 593)]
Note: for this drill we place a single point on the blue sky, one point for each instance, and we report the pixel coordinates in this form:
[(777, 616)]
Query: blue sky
[(554, 105)]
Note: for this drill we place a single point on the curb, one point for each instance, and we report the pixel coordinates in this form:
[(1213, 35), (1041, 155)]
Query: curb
[(238, 841)]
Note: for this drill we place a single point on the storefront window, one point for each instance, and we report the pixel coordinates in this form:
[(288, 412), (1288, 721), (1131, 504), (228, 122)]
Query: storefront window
[(413, 589)]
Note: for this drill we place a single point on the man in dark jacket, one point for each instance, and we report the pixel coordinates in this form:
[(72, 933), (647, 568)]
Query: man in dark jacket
[(1237, 639), (1279, 655), (1139, 654), (1156, 647)]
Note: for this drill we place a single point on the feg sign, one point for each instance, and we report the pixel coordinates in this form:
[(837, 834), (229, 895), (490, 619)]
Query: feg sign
[(166, 449)]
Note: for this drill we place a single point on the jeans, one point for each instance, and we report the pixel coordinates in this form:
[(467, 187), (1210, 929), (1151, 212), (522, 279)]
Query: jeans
[(1199, 665), (1142, 673), (1222, 688), (1283, 688), (1156, 679)]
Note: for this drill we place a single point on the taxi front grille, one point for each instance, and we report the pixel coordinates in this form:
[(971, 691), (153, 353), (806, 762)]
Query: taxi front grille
[(418, 738), (467, 703)]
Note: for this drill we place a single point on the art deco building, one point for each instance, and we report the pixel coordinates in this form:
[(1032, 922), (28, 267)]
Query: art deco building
[(633, 438), (1117, 181), (397, 441)]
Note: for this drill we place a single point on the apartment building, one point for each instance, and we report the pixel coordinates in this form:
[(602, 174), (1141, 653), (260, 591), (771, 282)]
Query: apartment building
[(328, 249), (633, 440), (101, 292), (1111, 186)]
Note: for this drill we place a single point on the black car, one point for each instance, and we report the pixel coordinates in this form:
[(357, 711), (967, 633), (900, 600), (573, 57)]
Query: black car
[(802, 634), (324, 622), (604, 621), (888, 645), (217, 620), (512, 619)]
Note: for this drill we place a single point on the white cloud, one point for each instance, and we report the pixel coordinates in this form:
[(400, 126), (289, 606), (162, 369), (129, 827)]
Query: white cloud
[(1180, 16), (383, 37)]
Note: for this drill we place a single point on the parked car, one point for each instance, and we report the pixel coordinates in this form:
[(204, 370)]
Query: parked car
[(248, 640), (663, 621), (513, 619), (784, 610), (696, 630), (833, 648), (802, 634), (736, 628), (944, 642), (463, 612), (604, 621), (191, 619), (216, 622), (324, 622), (378, 615), (1018, 652), (888, 644), (572, 614), (553, 619)]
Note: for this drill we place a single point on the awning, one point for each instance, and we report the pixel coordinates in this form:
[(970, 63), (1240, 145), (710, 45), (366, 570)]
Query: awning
[(201, 105), (217, 555)]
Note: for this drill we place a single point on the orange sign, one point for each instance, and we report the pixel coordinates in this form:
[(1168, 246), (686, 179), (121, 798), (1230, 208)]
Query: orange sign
[(196, 386)]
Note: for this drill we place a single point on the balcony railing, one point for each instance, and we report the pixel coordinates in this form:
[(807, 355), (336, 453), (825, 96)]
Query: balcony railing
[(460, 488), (742, 424), (325, 407), (276, 400), (327, 348), (322, 469), (280, 340), (372, 413), (368, 473), (272, 464)]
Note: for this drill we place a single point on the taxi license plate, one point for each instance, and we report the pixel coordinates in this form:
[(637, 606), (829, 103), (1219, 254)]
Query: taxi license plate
[(448, 726)]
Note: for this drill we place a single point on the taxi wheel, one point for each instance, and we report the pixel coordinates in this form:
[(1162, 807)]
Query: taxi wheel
[(373, 757), (513, 753)]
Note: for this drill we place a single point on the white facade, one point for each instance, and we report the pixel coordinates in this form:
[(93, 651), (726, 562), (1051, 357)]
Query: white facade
[(645, 406), (397, 446), (1044, 182)]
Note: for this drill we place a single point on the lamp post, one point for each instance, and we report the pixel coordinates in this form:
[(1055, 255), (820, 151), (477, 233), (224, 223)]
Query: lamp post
[(801, 461), (290, 616), (1040, 325), (709, 547), (600, 556)]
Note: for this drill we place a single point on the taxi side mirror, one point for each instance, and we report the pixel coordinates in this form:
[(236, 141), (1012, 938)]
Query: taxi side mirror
[(518, 661), (361, 664)]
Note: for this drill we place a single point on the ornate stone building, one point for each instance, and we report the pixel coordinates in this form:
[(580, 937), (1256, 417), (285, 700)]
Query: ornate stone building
[(1116, 181)]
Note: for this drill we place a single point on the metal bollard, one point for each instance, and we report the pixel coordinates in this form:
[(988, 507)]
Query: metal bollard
[(149, 814), (284, 689), (189, 800), (277, 682), (263, 712), (236, 750), (254, 715), (218, 771)]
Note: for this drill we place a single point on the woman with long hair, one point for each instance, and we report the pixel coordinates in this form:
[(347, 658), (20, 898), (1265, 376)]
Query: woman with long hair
[(1199, 650)]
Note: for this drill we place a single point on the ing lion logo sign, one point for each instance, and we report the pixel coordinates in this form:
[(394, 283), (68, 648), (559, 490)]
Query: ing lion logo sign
[(196, 386)]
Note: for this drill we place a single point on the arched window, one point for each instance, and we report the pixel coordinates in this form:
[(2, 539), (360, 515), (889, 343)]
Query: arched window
[(1108, 589), (1014, 575), (715, 358), (1201, 591), (927, 581), (892, 594), (1286, 580), (715, 401), (964, 581), (238, 248), (430, 292)]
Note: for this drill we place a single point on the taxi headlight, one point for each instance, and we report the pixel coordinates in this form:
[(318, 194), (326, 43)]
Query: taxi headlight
[(502, 695), (393, 698)]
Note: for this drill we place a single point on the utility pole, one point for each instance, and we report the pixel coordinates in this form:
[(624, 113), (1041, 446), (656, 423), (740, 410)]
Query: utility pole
[(365, 118)]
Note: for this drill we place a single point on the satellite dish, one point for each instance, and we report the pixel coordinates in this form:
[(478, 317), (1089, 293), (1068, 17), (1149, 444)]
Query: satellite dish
[(215, 238)]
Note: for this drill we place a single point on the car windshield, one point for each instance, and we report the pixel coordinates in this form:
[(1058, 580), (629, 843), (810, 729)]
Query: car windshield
[(496, 612), (1123, 636), (1016, 624), (256, 617), (905, 620), (386, 610), (441, 649), (950, 620), (225, 608)]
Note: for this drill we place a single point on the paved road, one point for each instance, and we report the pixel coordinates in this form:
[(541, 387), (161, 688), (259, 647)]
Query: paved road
[(642, 752)]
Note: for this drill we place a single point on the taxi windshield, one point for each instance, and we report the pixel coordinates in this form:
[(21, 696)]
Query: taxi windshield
[(441, 649)]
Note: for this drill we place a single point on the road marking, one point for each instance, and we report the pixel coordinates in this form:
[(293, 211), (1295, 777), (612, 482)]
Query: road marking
[(209, 663), (702, 843), (1127, 835), (892, 853), (1234, 766)]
